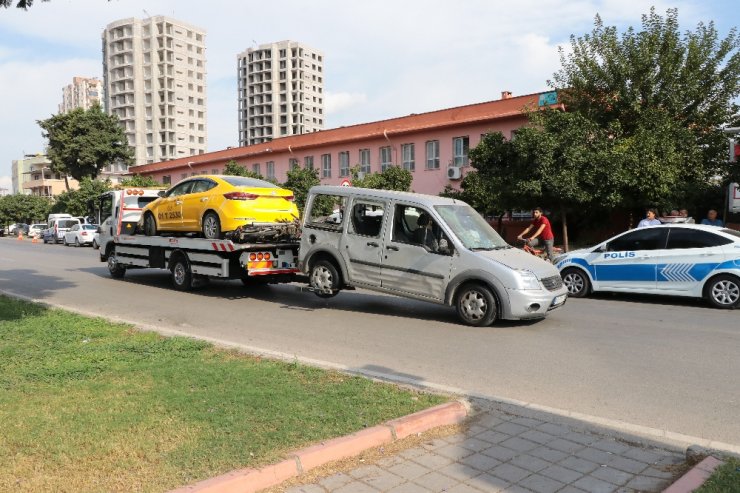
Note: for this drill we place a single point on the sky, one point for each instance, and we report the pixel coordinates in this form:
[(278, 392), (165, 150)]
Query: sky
[(382, 59)]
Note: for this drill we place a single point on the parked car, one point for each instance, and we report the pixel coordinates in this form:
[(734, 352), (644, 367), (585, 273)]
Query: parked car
[(57, 227), (80, 234), (96, 238), (214, 205), (423, 247), (18, 228), (36, 230), (672, 259)]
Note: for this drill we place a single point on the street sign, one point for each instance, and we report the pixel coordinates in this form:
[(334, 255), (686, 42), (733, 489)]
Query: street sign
[(346, 183), (734, 195)]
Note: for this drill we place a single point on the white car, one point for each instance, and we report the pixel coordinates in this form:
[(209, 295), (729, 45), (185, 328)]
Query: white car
[(36, 230), (671, 259), (80, 234)]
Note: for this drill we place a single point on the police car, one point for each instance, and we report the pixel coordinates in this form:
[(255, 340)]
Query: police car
[(672, 259)]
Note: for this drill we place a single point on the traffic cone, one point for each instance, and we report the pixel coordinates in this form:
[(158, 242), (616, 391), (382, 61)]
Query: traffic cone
[(35, 239), (20, 235)]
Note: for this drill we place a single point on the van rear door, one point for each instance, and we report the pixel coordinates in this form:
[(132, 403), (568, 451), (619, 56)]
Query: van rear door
[(362, 245)]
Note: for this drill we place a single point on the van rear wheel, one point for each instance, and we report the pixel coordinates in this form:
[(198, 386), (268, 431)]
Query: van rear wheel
[(324, 279), (476, 305)]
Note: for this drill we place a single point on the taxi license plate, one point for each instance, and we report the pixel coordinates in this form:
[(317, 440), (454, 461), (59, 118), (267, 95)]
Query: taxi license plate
[(559, 300)]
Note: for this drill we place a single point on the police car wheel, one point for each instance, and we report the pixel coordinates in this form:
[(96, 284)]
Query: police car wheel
[(324, 279), (150, 226), (476, 305), (723, 291), (577, 282)]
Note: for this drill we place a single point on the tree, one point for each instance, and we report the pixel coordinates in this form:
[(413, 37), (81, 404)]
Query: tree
[(23, 208), (83, 142), (235, 169), (391, 178), (22, 4), (662, 97), (76, 202), (300, 180), (140, 181)]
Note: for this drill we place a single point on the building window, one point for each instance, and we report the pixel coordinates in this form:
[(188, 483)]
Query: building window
[(344, 163), (326, 165), (308, 162), (256, 168), (407, 151), (166, 180), (215, 171), (292, 163), (365, 160), (460, 147), (385, 158), (432, 154)]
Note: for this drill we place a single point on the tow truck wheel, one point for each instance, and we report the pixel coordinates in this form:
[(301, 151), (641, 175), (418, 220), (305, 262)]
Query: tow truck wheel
[(182, 276), (723, 291), (577, 282), (150, 226), (116, 270), (324, 279), (211, 226), (476, 305)]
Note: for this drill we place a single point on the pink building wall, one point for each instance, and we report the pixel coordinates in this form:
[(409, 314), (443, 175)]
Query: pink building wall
[(472, 121)]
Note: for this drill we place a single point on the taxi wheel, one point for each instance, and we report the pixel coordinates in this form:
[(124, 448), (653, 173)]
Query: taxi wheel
[(577, 282), (324, 279), (476, 305), (211, 226), (723, 291), (150, 225), (182, 276)]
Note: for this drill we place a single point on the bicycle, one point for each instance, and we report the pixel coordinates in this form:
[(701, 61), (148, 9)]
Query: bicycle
[(538, 252)]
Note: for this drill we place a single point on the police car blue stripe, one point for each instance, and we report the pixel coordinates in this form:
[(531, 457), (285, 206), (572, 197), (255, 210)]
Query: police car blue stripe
[(641, 272)]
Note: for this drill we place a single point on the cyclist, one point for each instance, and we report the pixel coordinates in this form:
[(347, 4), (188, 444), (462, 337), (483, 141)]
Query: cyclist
[(543, 232)]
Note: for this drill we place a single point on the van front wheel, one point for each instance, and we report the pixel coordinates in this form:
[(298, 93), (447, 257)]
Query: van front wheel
[(476, 305)]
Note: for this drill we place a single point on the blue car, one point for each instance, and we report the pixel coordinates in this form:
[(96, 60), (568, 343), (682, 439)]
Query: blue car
[(672, 259)]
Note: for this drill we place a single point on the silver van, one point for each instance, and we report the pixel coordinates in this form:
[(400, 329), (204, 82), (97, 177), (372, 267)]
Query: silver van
[(423, 247), (57, 227)]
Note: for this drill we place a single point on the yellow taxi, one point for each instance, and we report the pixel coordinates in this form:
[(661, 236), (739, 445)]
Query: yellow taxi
[(217, 204)]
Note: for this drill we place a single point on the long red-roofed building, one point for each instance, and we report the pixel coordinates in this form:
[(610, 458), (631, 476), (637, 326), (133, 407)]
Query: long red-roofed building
[(433, 146)]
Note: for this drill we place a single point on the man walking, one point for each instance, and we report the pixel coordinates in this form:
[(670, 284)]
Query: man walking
[(542, 231)]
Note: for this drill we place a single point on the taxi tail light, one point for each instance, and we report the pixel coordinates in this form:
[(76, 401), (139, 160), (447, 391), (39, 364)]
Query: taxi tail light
[(240, 196), (289, 198)]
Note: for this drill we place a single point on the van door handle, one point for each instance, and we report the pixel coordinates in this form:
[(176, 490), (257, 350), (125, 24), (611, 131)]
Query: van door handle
[(391, 247), (372, 244)]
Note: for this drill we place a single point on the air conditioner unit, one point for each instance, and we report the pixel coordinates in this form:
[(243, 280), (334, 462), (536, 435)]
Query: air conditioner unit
[(454, 173)]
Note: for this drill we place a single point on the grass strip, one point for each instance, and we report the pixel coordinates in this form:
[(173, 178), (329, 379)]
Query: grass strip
[(89, 405), (724, 479)]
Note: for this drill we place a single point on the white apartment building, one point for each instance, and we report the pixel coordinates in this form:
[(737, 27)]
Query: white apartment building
[(281, 91), (83, 92), (154, 72)]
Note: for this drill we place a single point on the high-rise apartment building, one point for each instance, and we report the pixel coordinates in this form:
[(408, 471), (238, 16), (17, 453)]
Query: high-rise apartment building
[(82, 93), (281, 91), (155, 81)]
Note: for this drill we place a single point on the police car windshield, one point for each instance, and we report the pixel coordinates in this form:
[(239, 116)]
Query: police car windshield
[(470, 228)]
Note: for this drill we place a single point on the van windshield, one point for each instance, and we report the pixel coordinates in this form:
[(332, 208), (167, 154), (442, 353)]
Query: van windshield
[(470, 228)]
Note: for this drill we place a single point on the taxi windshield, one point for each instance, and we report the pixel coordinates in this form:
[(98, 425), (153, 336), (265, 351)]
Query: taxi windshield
[(470, 228)]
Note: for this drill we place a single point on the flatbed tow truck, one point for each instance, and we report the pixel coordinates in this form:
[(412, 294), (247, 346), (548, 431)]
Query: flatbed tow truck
[(255, 254)]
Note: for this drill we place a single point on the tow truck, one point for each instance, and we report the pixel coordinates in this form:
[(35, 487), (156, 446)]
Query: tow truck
[(256, 253)]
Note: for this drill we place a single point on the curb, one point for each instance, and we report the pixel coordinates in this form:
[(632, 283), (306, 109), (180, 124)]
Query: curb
[(250, 480), (695, 477)]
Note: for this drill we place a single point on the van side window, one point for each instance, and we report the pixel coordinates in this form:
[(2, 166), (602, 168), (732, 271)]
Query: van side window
[(405, 223), (367, 218), (326, 212)]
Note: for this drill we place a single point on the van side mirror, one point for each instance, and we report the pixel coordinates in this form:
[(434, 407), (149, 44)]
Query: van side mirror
[(444, 247), (161, 193)]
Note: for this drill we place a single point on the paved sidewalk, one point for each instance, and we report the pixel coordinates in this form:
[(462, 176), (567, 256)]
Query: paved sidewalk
[(513, 449)]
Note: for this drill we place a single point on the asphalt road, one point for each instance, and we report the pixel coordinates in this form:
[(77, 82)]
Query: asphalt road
[(664, 363)]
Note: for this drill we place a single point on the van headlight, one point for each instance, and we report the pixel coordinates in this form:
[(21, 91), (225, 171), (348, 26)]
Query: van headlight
[(528, 279)]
